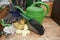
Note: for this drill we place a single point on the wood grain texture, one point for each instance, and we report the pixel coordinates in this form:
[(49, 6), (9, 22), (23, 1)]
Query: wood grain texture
[(3, 12)]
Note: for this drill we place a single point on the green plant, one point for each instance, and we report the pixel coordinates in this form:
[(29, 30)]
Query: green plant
[(3, 23), (0, 8)]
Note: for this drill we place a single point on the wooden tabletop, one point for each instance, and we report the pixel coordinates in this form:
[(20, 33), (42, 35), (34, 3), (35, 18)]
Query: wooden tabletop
[(52, 32)]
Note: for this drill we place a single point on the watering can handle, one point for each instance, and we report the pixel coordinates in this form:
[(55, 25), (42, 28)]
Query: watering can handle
[(44, 5)]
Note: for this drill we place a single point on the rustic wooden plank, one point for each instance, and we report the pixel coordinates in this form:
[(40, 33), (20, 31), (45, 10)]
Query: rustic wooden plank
[(3, 12)]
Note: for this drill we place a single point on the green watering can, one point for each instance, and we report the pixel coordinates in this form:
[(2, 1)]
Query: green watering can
[(36, 13)]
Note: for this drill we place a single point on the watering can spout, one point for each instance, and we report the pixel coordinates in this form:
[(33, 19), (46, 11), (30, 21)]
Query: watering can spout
[(20, 9)]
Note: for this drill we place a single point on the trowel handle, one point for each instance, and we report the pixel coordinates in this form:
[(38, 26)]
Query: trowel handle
[(42, 3)]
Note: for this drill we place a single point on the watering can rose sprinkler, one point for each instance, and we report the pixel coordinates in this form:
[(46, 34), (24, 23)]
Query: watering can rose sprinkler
[(36, 13), (8, 28)]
